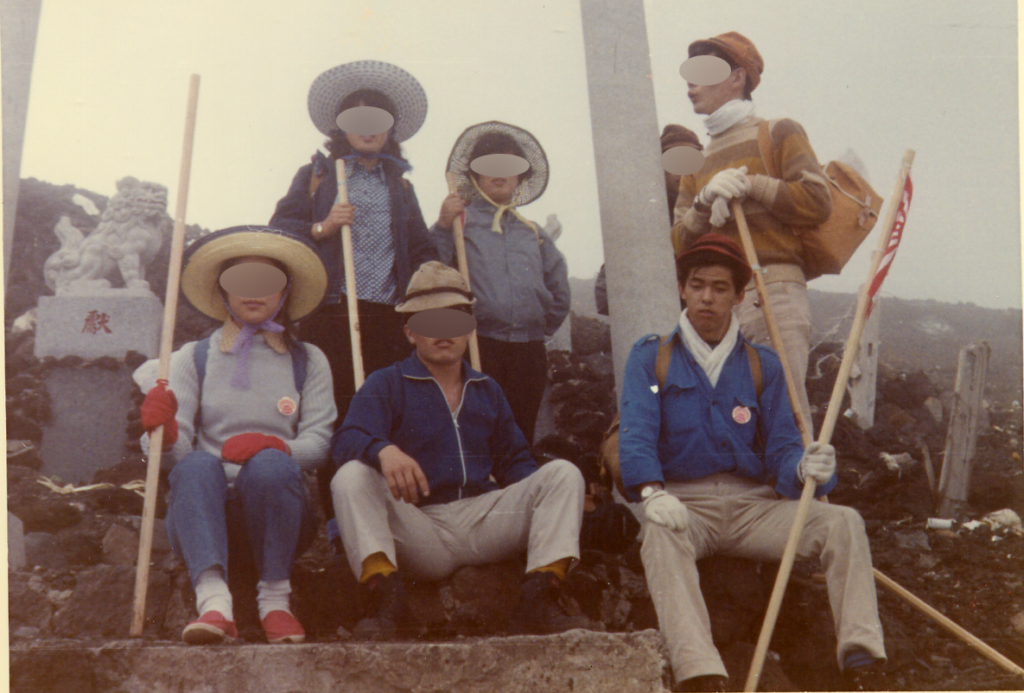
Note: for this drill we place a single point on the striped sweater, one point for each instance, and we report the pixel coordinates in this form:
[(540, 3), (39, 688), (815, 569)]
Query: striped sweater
[(776, 208)]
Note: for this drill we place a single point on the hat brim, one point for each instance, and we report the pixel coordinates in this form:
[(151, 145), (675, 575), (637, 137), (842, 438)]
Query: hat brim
[(459, 161), (200, 275), (432, 301), (332, 87)]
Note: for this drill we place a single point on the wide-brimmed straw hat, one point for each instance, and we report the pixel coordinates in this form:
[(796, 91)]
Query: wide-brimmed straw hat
[(203, 260), (435, 285), (331, 88), (459, 160)]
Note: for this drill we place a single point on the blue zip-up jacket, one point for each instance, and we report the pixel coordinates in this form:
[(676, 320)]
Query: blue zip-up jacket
[(404, 405), (691, 430), (519, 277), (297, 213)]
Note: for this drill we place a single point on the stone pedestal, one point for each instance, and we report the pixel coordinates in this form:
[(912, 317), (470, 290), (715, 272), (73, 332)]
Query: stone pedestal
[(104, 323), (87, 432)]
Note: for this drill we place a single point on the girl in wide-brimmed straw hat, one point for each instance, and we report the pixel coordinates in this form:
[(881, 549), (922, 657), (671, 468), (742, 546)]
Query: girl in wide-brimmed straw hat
[(246, 411), (516, 272), (389, 236)]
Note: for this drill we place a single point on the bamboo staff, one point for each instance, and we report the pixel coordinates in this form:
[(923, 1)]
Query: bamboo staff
[(769, 318), (460, 253), (827, 428), (350, 281), (156, 439)]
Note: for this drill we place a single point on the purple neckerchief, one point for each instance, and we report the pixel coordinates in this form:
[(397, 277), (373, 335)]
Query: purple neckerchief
[(240, 378)]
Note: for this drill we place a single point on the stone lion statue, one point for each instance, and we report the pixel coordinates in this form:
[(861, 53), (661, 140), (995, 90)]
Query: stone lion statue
[(130, 233)]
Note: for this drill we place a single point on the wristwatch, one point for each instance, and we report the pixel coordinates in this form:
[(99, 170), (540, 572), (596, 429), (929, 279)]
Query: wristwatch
[(648, 492), (318, 229)]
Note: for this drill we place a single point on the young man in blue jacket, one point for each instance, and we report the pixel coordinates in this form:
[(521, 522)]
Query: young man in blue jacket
[(434, 474), (709, 458)]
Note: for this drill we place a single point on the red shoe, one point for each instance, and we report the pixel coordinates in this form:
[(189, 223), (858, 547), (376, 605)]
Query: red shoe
[(208, 629), (280, 626)]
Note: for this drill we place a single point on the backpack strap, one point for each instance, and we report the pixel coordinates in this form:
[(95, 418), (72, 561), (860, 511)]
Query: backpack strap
[(767, 147), (200, 354), (300, 364), (662, 361), (758, 376)]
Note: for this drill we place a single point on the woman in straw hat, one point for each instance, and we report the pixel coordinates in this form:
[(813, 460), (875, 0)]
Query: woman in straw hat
[(246, 411), (517, 273), (389, 237)]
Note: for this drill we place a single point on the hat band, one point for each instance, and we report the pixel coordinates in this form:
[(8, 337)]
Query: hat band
[(439, 290)]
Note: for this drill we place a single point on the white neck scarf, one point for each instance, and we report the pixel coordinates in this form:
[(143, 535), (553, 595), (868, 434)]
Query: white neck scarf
[(711, 360), (728, 115)]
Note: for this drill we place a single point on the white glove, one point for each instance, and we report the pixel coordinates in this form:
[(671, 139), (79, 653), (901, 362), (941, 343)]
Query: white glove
[(720, 212), (818, 463), (664, 509), (730, 183)]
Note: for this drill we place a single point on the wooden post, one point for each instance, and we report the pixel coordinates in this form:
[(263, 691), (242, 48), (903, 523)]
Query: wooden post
[(864, 385), (460, 254), (955, 481), (348, 262), (156, 439)]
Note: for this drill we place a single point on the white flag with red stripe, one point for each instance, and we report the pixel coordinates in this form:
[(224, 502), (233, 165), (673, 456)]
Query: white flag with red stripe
[(894, 242)]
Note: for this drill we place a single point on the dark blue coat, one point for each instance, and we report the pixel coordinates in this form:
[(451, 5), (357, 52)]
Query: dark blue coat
[(297, 212)]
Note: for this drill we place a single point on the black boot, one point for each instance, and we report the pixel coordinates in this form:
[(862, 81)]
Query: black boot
[(389, 611), (539, 611)]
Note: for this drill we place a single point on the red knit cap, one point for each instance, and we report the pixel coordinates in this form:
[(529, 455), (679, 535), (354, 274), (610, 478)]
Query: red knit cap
[(712, 248), (675, 135), (740, 50)]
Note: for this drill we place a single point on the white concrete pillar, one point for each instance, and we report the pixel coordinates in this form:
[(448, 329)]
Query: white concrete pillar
[(642, 294), (19, 23)]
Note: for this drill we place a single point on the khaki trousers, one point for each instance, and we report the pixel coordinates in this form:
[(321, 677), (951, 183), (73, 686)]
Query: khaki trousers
[(734, 516), (541, 514), (787, 293)]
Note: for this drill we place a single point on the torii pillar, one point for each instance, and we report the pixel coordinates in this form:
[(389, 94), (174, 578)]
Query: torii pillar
[(642, 294)]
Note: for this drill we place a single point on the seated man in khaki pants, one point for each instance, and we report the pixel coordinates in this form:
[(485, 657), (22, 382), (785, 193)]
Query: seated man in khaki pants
[(435, 475), (710, 453)]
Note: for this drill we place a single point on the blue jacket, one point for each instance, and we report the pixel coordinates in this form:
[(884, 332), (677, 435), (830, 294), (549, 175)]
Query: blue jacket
[(297, 213), (405, 406), (519, 277), (690, 430)]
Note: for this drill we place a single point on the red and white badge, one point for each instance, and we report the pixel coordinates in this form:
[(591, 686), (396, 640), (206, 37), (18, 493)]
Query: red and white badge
[(741, 415), (287, 406)]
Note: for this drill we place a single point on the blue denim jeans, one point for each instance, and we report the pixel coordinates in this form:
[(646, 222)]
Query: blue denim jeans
[(269, 492)]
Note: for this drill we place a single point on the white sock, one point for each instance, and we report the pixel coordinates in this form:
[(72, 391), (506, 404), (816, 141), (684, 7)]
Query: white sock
[(212, 593), (273, 596)]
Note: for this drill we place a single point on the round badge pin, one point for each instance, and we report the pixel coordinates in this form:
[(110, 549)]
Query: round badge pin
[(741, 415), (287, 406)]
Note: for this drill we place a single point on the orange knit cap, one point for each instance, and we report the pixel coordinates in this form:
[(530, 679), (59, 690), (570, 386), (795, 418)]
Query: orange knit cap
[(675, 135), (740, 50)]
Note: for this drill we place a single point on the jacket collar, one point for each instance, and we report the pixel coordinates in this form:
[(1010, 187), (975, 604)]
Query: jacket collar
[(413, 368)]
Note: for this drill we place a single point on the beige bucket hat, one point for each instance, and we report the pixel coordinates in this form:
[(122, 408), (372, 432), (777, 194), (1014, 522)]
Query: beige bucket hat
[(435, 285)]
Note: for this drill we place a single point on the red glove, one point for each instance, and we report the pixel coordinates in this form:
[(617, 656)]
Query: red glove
[(240, 448), (159, 409)]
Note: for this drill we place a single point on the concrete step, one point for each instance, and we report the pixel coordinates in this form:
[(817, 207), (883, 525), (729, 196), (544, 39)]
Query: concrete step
[(578, 661)]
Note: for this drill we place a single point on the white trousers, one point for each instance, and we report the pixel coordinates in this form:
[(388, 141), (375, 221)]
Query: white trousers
[(740, 517), (541, 514)]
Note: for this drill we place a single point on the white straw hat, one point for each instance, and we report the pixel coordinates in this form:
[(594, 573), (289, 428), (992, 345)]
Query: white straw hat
[(334, 85), (200, 274), (459, 160)]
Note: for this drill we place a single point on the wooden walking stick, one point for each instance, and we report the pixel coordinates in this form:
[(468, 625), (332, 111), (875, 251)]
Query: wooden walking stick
[(769, 318), (460, 253), (828, 426), (156, 439), (350, 281)]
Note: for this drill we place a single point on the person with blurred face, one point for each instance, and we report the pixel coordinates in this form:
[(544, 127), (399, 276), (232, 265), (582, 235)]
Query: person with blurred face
[(518, 275), (434, 473), (244, 413), (776, 209), (389, 237), (709, 455)]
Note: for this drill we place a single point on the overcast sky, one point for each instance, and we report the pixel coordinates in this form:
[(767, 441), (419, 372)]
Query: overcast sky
[(110, 81)]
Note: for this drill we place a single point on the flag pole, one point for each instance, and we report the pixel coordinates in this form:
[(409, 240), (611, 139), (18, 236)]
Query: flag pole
[(827, 427)]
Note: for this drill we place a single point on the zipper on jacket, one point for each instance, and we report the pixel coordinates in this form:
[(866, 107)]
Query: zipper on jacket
[(458, 436)]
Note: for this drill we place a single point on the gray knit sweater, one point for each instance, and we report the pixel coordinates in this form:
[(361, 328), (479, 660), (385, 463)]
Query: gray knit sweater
[(227, 411)]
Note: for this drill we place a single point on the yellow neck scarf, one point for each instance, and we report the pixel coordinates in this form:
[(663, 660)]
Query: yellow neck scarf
[(501, 209)]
